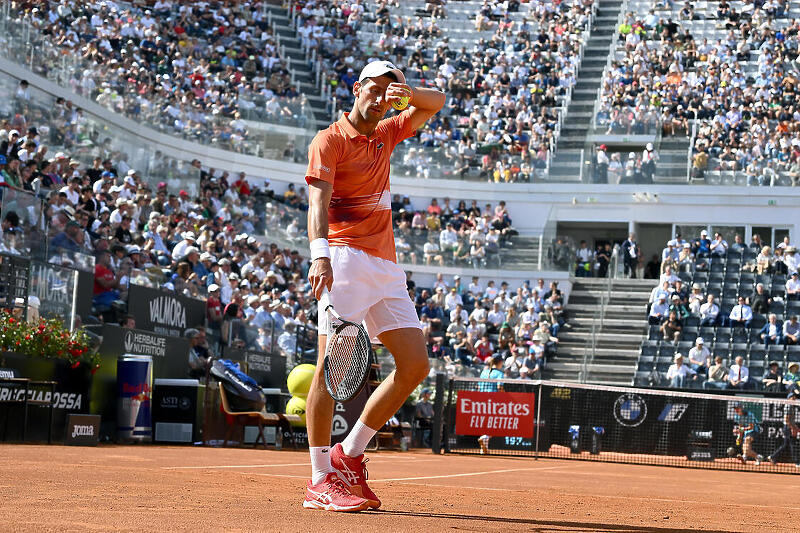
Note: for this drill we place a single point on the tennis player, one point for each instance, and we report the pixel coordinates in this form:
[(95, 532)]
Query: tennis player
[(353, 255), (747, 427)]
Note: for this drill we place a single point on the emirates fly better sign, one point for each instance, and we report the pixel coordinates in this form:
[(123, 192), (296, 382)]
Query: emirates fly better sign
[(500, 414)]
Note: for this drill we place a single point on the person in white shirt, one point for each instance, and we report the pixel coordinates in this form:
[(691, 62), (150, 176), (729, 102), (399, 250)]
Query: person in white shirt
[(719, 246), (658, 291), (73, 191), (475, 288), (529, 316), (585, 260), (790, 259), (179, 251), (459, 312), (668, 276), (741, 315), (709, 312), (440, 282), (793, 287), (479, 314), (658, 311), (540, 289), (448, 239), (679, 374), (772, 332), (739, 375), (699, 356), (496, 317), (431, 252), (452, 300), (491, 290), (791, 330)]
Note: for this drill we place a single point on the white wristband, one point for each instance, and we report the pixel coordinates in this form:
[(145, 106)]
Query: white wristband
[(319, 248)]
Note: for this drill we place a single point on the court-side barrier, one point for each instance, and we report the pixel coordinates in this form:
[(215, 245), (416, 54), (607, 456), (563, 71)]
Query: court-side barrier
[(615, 424)]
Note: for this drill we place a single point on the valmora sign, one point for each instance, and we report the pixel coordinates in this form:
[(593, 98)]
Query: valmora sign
[(164, 312), (499, 414)]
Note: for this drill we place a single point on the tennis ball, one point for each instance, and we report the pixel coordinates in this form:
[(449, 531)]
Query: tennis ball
[(299, 380), (402, 103), (297, 406)]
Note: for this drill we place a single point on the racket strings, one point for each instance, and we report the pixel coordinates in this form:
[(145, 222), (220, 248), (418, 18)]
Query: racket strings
[(348, 357)]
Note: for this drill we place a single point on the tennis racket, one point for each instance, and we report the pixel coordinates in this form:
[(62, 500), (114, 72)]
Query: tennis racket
[(348, 356)]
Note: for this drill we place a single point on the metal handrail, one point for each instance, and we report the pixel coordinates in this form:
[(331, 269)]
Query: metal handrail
[(598, 319), (589, 349), (690, 151)]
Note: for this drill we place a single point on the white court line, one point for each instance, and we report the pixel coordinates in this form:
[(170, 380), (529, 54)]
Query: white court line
[(666, 500), (443, 476), (214, 467)]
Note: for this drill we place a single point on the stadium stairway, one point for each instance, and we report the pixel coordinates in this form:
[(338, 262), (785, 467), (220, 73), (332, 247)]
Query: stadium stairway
[(576, 128), (618, 340), (297, 59), (672, 163)]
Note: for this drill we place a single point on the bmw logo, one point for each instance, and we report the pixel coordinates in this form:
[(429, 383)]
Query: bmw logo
[(630, 410)]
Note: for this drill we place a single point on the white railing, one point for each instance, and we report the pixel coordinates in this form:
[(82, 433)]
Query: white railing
[(690, 150), (599, 317)]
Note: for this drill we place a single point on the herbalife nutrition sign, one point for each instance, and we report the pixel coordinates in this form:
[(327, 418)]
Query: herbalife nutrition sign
[(53, 285), (164, 312)]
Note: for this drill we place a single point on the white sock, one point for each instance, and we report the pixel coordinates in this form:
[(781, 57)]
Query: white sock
[(356, 442), (320, 463)]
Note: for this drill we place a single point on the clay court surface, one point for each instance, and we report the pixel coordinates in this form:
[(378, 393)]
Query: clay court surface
[(152, 488)]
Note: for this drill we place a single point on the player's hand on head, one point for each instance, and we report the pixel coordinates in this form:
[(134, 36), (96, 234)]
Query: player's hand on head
[(320, 275), (395, 91)]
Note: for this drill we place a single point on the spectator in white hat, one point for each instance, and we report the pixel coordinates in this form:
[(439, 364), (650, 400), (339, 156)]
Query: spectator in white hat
[(699, 356), (679, 374)]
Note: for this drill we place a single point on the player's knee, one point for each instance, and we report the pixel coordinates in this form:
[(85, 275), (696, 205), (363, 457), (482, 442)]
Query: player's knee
[(418, 369)]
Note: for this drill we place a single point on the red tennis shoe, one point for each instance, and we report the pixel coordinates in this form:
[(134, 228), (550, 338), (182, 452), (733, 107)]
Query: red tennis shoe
[(353, 472), (333, 495)]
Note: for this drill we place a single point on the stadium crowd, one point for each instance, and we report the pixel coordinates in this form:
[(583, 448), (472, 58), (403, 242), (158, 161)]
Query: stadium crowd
[(200, 69), (745, 289), (132, 231), (740, 89), (470, 327), (502, 116), (451, 234), (196, 69)]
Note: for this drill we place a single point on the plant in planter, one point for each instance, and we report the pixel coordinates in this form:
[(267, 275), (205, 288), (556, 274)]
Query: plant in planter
[(48, 339)]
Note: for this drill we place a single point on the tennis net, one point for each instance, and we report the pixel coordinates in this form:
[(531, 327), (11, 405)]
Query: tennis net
[(616, 424)]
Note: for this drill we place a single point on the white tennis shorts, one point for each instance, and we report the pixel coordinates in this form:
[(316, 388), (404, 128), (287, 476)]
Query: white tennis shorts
[(371, 290)]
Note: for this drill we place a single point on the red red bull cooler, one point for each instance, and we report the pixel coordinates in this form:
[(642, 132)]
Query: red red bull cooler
[(134, 391)]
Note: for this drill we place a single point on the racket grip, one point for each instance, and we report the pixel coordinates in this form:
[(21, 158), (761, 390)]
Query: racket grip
[(325, 303)]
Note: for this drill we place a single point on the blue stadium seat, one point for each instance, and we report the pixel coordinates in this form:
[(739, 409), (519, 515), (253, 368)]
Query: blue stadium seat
[(666, 350), (747, 278), (793, 353), (708, 333), (757, 354), (775, 353), (722, 335), (721, 351), (684, 346)]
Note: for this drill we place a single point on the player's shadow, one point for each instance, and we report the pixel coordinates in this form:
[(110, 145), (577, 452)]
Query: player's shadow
[(568, 525)]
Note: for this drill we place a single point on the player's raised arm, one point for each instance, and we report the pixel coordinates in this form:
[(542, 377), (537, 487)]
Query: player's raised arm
[(320, 275), (424, 102)]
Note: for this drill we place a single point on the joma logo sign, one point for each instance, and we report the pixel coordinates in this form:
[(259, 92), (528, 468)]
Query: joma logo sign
[(82, 431)]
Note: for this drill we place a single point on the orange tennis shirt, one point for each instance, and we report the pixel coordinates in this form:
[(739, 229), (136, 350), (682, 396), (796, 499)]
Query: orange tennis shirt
[(360, 213)]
